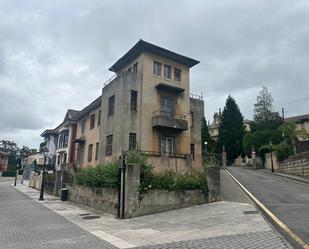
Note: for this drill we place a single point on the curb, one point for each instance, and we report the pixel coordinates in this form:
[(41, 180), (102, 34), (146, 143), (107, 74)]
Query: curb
[(286, 176), (269, 214)]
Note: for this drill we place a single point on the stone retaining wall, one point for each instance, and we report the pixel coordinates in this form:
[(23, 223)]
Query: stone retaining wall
[(295, 167), (105, 199)]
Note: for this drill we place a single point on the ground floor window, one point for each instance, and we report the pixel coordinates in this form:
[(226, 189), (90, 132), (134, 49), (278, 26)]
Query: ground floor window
[(90, 148), (132, 141), (167, 145), (192, 151)]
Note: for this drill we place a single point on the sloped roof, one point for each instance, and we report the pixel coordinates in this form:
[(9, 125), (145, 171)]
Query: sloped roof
[(143, 46), (48, 132), (93, 105), (297, 118)]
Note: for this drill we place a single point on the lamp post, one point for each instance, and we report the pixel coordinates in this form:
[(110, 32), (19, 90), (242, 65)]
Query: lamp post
[(205, 146), (45, 151), (271, 155)]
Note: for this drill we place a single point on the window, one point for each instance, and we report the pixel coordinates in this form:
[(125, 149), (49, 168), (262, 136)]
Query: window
[(157, 68), (133, 100), (96, 151), (82, 127), (191, 119), (192, 151), (167, 106), (111, 105), (58, 160), (132, 141), (92, 121), (90, 147), (64, 139), (302, 125), (99, 118), (64, 158), (167, 71), (177, 74), (167, 145), (109, 145), (130, 69), (135, 68)]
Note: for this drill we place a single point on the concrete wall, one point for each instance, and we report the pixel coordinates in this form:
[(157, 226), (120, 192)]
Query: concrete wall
[(295, 167), (105, 199), (156, 201), (163, 163), (91, 136), (268, 161)]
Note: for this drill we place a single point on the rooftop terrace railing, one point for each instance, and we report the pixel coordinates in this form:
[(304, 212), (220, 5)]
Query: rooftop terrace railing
[(196, 96)]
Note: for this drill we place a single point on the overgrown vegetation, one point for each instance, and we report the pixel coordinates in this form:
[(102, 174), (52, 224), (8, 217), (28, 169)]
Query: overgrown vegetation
[(108, 176), (99, 176)]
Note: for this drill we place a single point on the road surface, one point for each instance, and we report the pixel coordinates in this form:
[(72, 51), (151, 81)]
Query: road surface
[(287, 199)]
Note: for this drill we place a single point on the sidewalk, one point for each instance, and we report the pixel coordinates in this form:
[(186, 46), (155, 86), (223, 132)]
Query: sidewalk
[(292, 177), (217, 225)]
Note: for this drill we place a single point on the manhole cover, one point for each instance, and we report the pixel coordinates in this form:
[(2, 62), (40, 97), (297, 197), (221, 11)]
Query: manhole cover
[(251, 212), (84, 214), (91, 217)]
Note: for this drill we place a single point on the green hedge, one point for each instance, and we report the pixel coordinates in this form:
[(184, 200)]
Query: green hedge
[(9, 173)]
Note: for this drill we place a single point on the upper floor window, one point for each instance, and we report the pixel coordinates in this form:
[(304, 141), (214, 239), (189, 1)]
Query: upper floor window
[(99, 118), (111, 105), (130, 69), (64, 139), (92, 121), (82, 126), (109, 145), (157, 68), (177, 74), (133, 100), (167, 71), (192, 119), (192, 151), (135, 68)]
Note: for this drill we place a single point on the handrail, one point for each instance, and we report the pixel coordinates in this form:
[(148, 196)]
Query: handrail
[(109, 80), (196, 96), (168, 114)]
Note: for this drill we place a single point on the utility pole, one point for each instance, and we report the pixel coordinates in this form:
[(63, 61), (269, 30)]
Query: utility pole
[(283, 122)]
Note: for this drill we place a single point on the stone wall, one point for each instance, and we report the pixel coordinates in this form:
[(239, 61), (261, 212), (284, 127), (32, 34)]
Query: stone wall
[(163, 163), (298, 167), (156, 201), (268, 161), (105, 199)]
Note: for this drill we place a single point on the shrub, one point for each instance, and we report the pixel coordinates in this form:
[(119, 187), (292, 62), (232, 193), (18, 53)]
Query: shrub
[(283, 151), (9, 173), (99, 176)]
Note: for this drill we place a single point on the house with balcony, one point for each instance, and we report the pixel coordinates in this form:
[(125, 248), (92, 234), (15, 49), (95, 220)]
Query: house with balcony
[(65, 149), (51, 139), (147, 107), (87, 139)]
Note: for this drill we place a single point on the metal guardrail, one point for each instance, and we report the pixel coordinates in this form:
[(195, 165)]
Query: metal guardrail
[(160, 113), (196, 96), (109, 80)]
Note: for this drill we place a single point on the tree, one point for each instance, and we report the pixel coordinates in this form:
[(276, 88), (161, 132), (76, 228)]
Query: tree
[(206, 137), (231, 130), (11, 148), (264, 116)]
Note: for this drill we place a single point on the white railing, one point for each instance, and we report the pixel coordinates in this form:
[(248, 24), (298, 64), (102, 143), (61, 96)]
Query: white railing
[(196, 96)]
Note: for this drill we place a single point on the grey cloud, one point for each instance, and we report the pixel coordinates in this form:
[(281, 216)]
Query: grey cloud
[(54, 55)]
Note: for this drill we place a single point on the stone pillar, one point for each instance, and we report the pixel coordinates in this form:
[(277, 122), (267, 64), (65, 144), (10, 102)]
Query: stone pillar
[(132, 182), (224, 162), (213, 180)]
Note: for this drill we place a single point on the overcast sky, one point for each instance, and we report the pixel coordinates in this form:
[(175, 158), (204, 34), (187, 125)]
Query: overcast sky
[(55, 54)]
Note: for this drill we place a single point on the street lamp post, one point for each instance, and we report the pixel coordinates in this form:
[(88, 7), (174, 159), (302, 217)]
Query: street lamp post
[(45, 152), (271, 156), (205, 146)]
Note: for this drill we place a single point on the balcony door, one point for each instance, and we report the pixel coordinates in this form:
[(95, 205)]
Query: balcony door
[(167, 106)]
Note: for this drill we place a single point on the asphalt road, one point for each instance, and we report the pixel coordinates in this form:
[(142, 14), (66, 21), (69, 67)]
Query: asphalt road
[(287, 199)]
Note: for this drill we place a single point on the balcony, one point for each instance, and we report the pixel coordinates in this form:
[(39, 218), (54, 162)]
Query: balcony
[(162, 119)]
